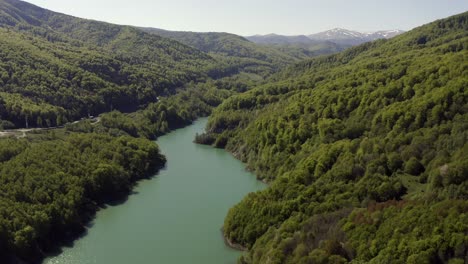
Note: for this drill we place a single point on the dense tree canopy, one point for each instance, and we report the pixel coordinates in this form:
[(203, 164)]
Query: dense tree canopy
[(365, 150), (55, 69), (72, 67), (50, 187), (384, 121)]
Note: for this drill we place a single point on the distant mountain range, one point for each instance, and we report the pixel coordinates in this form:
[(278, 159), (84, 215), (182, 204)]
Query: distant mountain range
[(276, 49), (339, 36), (272, 49), (349, 37), (280, 39)]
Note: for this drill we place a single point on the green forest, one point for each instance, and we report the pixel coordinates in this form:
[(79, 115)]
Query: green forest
[(365, 151), (56, 68), (56, 71), (51, 186)]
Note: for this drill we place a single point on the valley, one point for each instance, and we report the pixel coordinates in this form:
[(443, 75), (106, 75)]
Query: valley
[(176, 210), (360, 137)]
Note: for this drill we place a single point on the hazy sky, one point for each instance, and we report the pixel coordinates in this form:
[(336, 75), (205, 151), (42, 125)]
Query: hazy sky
[(248, 17)]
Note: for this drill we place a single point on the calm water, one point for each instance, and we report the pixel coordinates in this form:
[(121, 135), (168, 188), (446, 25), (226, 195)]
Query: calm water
[(176, 216)]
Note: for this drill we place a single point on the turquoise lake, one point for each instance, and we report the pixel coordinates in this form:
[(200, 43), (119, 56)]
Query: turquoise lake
[(174, 217)]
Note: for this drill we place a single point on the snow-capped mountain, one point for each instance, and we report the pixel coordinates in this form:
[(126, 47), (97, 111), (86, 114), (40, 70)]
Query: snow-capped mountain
[(338, 37), (349, 37), (337, 33), (384, 34)]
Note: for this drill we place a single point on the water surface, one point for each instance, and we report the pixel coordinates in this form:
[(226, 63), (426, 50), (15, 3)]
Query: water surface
[(175, 217)]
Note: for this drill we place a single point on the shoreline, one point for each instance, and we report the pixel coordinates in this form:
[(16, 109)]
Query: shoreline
[(72, 233), (231, 244)]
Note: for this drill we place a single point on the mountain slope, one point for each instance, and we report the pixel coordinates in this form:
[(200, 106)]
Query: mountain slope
[(384, 34), (365, 150), (328, 42), (351, 38), (56, 68), (234, 50), (279, 39), (122, 39), (297, 46)]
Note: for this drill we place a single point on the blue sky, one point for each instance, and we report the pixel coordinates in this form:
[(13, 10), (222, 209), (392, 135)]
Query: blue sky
[(248, 17)]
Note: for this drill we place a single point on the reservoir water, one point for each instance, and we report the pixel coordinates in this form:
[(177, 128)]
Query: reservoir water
[(173, 218)]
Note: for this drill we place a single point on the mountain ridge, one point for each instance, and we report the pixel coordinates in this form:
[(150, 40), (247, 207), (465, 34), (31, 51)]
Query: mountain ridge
[(350, 37), (336, 35)]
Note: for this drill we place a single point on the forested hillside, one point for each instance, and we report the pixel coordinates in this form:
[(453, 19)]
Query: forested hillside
[(75, 67), (234, 50), (51, 187), (309, 50), (365, 150), (260, 55), (366, 154), (56, 68), (299, 46)]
